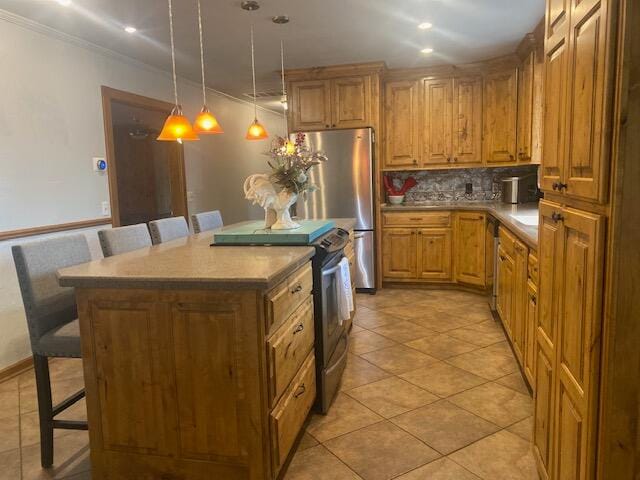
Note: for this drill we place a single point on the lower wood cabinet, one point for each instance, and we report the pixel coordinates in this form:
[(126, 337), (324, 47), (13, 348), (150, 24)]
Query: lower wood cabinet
[(434, 254), (504, 303), (531, 313), (439, 247), (568, 341), (471, 248)]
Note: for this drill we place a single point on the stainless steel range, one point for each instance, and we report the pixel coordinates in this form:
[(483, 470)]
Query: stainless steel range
[(332, 340)]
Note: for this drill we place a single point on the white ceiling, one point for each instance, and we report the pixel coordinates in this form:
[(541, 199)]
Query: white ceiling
[(321, 32)]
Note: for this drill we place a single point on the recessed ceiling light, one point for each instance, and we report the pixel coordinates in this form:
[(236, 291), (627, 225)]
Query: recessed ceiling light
[(130, 29), (425, 26), (427, 50), (64, 3)]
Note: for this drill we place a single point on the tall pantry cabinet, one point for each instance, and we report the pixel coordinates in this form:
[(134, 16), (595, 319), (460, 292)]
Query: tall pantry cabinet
[(579, 59)]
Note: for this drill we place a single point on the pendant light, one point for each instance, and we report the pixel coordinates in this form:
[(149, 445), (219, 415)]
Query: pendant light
[(205, 123), (176, 127), (256, 131)]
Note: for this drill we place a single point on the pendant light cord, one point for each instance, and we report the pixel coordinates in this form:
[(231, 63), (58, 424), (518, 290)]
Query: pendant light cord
[(284, 90), (173, 55), (253, 71), (204, 91)]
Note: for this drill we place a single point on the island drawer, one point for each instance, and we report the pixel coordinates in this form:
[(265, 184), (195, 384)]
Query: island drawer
[(290, 413), (288, 348), (286, 297), (419, 219), (533, 268)]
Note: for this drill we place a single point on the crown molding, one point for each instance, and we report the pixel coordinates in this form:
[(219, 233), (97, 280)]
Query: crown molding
[(106, 52)]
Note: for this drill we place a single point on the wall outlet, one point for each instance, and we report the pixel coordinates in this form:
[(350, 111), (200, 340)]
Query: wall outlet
[(106, 209), (468, 188)]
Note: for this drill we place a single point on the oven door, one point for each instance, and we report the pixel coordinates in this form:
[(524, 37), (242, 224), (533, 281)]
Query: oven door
[(332, 329)]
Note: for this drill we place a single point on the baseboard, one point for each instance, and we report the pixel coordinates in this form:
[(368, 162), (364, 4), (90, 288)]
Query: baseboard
[(16, 369)]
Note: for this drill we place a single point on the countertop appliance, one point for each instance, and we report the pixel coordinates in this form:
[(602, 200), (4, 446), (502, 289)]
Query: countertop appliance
[(521, 189), (345, 184), (331, 335)]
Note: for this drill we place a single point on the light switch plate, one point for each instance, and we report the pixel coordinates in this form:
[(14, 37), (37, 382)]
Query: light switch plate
[(106, 208)]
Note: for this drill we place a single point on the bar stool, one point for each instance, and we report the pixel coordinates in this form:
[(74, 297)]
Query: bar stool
[(114, 241), (205, 221), (167, 229), (53, 324)]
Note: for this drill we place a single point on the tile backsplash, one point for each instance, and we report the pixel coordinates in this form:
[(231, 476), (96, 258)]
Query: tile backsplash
[(449, 185)]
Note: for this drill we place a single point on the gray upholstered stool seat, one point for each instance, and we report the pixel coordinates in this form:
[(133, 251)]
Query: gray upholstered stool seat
[(205, 221), (53, 324), (62, 341), (168, 229), (114, 241)]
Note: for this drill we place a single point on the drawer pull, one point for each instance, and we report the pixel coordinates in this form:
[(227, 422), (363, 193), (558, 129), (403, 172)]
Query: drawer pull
[(415, 219), (300, 391), (298, 329), (297, 289)]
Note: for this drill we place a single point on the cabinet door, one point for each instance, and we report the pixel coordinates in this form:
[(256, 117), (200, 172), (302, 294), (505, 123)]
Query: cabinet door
[(578, 346), (504, 304), (310, 105), (467, 120), (555, 81), (470, 248), (401, 124), (351, 102), (434, 254), (489, 252), (500, 116), (531, 314), (399, 253), (543, 413), (519, 298), (525, 108), (437, 122), (587, 140)]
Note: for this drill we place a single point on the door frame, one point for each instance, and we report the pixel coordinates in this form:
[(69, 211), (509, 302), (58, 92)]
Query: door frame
[(111, 94)]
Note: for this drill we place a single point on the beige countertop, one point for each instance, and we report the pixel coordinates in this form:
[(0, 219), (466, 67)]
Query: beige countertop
[(190, 263), (501, 211)]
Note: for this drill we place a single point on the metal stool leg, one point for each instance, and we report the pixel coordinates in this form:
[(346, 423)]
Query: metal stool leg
[(45, 409)]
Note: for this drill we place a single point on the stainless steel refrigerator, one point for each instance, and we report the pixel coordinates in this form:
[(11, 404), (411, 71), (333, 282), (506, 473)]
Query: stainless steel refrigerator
[(345, 189)]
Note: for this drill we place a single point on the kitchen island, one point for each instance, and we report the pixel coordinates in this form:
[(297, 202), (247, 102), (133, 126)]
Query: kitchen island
[(198, 360)]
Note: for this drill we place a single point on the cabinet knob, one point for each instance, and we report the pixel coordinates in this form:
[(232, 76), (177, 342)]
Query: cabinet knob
[(334, 125), (534, 300), (300, 391), (327, 126), (415, 162), (449, 159), (298, 329), (557, 217), (559, 186), (297, 289), (455, 159)]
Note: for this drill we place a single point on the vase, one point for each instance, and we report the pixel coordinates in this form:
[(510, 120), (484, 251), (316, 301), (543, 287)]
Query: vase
[(282, 206)]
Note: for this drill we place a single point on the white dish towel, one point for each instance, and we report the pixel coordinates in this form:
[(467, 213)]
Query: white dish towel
[(345, 294)]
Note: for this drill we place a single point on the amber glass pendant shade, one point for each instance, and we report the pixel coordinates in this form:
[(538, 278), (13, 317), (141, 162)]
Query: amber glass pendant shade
[(206, 123), (256, 131), (177, 128)]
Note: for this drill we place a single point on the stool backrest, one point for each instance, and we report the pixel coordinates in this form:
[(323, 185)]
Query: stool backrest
[(114, 241), (206, 221), (168, 229), (47, 304)]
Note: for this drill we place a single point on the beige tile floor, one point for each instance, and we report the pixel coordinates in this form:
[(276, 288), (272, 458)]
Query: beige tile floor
[(431, 392)]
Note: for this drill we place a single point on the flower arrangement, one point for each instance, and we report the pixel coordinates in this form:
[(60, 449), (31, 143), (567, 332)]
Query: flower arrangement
[(290, 164)]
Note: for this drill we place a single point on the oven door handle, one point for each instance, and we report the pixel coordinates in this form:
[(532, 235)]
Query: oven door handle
[(331, 271)]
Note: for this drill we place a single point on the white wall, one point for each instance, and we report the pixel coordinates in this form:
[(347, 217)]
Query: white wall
[(51, 126)]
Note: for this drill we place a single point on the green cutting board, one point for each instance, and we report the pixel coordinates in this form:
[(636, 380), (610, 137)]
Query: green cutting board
[(254, 233)]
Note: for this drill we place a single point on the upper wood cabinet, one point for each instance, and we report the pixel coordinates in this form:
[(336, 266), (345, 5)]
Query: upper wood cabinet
[(310, 105), (576, 142), (500, 116), (401, 107), (351, 102), (526, 107), (344, 102), (470, 248), (436, 122), (466, 134)]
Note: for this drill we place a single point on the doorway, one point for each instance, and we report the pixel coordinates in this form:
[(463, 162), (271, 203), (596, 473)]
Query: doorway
[(146, 177)]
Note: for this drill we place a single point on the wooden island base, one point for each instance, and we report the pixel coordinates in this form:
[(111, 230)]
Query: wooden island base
[(197, 384)]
